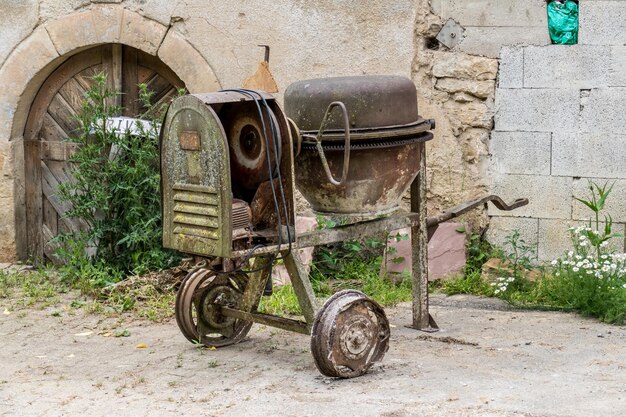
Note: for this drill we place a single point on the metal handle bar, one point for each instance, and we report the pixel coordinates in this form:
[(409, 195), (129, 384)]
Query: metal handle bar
[(346, 150)]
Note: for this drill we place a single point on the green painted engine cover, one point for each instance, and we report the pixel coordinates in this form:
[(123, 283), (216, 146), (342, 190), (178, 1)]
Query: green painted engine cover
[(195, 180)]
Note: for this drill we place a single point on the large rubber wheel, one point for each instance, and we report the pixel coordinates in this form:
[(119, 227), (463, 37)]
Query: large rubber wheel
[(198, 308), (350, 333)]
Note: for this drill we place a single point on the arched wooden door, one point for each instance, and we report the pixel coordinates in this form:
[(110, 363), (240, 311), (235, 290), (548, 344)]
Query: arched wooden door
[(52, 120)]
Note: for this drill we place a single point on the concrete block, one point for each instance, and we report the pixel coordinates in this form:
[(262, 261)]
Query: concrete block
[(187, 62), (451, 65), (487, 41), (520, 13), (618, 66), (511, 71), (549, 197), (554, 239), (446, 253), (604, 111), (567, 66), (520, 153), (615, 203), (589, 155), (537, 110), (501, 227), (602, 22)]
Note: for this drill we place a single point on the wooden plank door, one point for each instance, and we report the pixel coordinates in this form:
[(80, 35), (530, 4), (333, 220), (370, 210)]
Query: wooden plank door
[(53, 120)]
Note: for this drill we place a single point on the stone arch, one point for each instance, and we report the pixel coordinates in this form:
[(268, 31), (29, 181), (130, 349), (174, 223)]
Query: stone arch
[(39, 55)]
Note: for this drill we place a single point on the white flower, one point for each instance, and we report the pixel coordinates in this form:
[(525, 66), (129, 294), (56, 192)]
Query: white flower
[(575, 269), (554, 262), (624, 286)]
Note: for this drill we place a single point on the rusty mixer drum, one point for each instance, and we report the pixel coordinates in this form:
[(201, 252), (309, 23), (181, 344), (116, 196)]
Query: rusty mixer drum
[(386, 136)]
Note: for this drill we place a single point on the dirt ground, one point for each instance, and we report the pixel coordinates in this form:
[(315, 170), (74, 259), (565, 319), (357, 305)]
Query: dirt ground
[(487, 361)]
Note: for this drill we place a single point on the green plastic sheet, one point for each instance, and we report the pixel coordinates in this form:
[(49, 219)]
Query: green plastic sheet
[(563, 22)]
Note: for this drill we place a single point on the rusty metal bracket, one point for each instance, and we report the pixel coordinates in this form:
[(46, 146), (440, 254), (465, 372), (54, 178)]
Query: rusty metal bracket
[(267, 53), (346, 150), (465, 207)]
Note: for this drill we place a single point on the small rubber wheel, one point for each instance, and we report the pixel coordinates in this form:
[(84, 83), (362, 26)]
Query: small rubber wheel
[(350, 333), (198, 308)]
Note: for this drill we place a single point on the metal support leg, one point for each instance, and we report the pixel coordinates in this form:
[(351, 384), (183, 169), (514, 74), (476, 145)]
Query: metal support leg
[(256, 284), (419, 246), (301, 285)]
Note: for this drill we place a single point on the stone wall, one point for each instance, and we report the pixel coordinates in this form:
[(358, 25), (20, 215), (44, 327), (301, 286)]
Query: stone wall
[(559, 124), (457, 88)]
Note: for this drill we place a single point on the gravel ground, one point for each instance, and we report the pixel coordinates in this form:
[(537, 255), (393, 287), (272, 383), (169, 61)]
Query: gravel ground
[(487, 360)]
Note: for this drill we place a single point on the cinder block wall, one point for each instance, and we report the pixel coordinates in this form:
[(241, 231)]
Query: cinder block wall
[(560, 122)]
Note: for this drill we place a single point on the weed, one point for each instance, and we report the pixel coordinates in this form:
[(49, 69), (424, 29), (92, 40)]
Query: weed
[(471, 283), (282, 301), (115, 193), (213, 363), (590, 279)]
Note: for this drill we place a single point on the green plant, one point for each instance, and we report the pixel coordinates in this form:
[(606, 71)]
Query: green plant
[(591, 278), (479, 251), (114, 193)]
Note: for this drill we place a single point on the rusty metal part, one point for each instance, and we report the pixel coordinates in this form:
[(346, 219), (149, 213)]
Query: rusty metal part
[(296, 137), (380, 173), (268, 320), (301, 285), (350, 333), (367, 134), (470, 205), (392, 222), (248, 145), (373, 101), (266, 57), (196, 211), (199, 303), (189, 140), (196, 187), (422, 319), (346, 146), (382, 113), (242, 215)]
